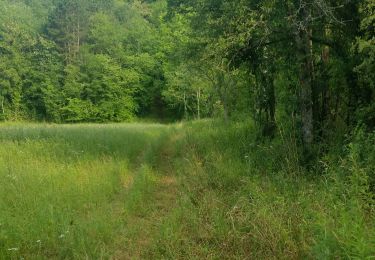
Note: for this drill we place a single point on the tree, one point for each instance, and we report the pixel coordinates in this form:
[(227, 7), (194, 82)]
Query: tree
[(67, 26), (99, 90), (366, 49), (270, 36)]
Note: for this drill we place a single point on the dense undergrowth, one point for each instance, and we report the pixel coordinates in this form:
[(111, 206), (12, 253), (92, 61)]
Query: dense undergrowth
[(245, 199), (199, 190)]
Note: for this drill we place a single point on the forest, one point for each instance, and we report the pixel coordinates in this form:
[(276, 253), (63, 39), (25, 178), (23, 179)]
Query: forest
[(113, 61), (230, 129)]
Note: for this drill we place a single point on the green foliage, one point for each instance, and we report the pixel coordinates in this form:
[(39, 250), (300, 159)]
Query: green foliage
[(69, 60), (242, 198), (366, 50), (80, 61), (99, 90), (296, 182)]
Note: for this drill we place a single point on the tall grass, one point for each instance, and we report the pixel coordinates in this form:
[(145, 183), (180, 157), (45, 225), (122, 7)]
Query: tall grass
[(245, 199), (199, 190), (66, 189)]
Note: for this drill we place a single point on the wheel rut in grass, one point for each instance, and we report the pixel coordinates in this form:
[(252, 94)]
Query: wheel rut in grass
[(159, 198)]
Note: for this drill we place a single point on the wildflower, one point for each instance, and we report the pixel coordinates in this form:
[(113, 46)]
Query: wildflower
[(62, 236), (13, 249), (38, 241)]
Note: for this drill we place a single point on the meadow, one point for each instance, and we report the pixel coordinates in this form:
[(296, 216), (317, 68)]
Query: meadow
[(198, 190), (187, 129), (67, 191)]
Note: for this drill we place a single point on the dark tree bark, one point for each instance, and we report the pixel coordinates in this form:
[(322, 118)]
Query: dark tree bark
[(305, 78), (303, 43)]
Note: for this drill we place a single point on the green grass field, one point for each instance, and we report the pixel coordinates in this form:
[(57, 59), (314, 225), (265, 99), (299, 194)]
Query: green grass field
[(199, 190), (74, 191)]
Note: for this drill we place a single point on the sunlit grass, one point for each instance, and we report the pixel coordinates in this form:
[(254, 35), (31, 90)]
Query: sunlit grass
[(200, 190), (66, 189)]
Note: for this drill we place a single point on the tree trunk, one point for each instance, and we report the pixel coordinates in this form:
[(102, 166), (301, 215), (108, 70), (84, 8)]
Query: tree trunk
[(78, 36), (2, 107), (305, 62), (324, 109), (222, 94), (185, 107), (306, 93), (198, 103), (271, 107)]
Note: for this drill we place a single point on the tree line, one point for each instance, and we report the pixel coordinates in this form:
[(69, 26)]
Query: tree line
[(306, 65), (297, 64), (80, 60)]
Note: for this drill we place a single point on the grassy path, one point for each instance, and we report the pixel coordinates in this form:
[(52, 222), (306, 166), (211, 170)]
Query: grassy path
[(152, 211), (201, 191), (86, 191)]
